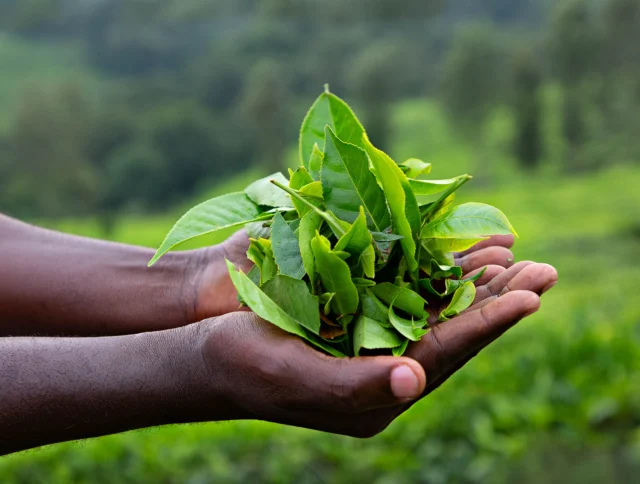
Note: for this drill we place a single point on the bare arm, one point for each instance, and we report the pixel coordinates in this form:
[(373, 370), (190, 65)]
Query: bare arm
[(60, 389), (53, 283)]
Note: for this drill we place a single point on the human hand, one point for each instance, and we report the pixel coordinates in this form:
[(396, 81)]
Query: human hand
[(213, 292), (261, 372)]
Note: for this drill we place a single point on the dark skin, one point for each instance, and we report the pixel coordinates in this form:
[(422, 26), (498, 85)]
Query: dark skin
[(155, 364)]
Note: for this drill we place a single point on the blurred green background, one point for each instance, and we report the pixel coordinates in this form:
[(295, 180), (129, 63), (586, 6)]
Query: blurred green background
[(117, 115)]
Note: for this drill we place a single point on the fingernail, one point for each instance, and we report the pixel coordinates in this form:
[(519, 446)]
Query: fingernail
[(404, 383)]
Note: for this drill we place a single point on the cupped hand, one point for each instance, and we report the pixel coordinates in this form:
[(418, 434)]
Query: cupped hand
[(261, 372), (215, 295)]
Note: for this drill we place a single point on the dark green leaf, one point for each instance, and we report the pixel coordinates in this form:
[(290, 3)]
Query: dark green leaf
[(373, 308), (293, 296), (286, 249), (348, 184)]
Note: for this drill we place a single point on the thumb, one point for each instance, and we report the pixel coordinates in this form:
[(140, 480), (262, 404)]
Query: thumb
[(354, 385)]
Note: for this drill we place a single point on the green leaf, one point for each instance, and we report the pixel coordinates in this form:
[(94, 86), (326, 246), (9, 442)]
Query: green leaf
[(219, 213), (299, 178), (261, 254), (400, 350), (335, 276), (338, 226), (286, 249), (329, 110), (267, 309), (348, 184), (293, 296), (362, 282), (431, 187), (452, 245), (258, 230), (402, 209), (313, 190), (261, 304), (323, 345), (429, 254), (384, 244), (402, 297), (370, 334), (413, 168), (408, 328), (373, 308), (315, 162), (309, 225), (443, 271), (462, 299), (469, 221), (357, 238), (264, 193), (434, 210), (368, 261)]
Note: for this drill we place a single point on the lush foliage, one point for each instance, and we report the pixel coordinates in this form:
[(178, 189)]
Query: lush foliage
[(351, 233)]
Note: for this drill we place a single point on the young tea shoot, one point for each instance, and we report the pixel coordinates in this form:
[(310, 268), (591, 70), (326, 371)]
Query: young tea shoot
[(347, 245)]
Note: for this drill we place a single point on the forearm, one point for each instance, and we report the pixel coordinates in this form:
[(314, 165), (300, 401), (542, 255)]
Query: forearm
[(61, 389), (52, 284)]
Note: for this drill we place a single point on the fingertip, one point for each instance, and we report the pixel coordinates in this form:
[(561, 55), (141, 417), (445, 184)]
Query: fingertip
[(408, 380), (550, 275)]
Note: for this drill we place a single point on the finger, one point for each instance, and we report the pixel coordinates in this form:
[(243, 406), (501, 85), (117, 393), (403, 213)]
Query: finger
[(490, 273), (500, 256), (355, 385), (497, 241), (494, 286), (448, 343), (538, 278)]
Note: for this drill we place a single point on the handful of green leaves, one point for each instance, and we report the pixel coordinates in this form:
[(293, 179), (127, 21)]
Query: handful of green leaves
[(344, 248)]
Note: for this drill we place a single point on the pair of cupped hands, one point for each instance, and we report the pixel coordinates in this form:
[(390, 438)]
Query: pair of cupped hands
[(265, 373)]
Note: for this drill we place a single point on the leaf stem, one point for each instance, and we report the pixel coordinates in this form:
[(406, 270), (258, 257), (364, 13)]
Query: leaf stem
[(332, 221), (461, 181)]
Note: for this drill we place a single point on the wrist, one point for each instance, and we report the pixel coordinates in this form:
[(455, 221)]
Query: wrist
[(195, 377)]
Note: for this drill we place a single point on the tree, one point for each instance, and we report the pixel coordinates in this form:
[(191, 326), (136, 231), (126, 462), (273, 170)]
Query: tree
[(576, 49), (51, 172), (527, 107), (475, 77), (265, 104)]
